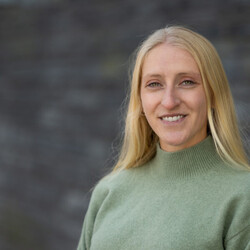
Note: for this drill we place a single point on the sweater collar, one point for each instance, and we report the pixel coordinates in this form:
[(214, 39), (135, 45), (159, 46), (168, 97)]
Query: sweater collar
[(187, 162)]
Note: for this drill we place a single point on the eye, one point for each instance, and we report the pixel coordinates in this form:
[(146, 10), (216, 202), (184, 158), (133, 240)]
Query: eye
[(188, 83), (154, 84)]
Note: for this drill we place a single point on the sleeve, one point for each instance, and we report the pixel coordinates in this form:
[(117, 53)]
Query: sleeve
[(238, 236), (97, 198), (83, 243), (240, 241)]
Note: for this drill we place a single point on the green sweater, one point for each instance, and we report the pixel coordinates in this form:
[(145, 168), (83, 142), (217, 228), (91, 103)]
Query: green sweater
[(184, 200)]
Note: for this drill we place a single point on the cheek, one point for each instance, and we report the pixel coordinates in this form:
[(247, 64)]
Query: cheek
[(147, 109), (203, 103), (146, 105), (197, 100), (201, 107), (149, 102)]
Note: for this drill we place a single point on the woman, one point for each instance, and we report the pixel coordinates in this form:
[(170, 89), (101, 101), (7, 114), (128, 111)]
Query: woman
[(182, 180)]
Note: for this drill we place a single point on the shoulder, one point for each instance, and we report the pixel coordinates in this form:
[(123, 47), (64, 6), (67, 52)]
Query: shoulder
[(235, 198), (115, 180), (234, 182), (231, 174), (229, 188), (237, 183), (119, 182), (235, 175)]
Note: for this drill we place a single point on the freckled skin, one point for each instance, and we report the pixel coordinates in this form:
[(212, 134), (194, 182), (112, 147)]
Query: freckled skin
[(171, 85)]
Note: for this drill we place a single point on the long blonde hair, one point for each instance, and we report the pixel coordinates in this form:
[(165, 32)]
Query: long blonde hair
[(139, 142)]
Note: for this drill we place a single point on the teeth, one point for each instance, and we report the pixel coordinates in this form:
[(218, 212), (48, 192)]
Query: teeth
[(172, 118)]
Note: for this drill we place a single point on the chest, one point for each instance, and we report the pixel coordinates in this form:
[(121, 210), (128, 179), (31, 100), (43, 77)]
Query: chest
[(158, 220)]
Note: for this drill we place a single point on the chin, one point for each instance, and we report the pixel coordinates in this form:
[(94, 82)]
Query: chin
[(174, 143)]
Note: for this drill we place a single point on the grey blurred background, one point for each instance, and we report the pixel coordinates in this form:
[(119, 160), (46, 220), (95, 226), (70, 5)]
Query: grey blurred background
[(63, 79)]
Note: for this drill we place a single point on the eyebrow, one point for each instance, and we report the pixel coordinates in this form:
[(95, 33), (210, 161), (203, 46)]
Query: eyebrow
[(151, 75), (190, 73), (179, 74)]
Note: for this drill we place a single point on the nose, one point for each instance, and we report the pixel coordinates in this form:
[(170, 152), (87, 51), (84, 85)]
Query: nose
[(170, 99)]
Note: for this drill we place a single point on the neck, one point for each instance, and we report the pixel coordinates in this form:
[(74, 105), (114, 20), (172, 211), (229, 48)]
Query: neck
[(189, 161)]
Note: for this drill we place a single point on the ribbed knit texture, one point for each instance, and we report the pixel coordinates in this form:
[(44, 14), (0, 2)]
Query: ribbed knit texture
[(184, 200)]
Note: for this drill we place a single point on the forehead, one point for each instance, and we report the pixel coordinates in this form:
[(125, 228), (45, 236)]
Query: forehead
[(169, 58)]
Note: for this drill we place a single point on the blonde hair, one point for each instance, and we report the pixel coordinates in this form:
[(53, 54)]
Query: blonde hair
[(139, 142)]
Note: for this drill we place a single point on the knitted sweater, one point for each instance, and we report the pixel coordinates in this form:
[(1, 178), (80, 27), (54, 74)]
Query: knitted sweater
[(184, 200)]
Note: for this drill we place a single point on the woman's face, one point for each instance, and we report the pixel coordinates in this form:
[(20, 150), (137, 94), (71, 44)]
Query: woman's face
[(173, 98)]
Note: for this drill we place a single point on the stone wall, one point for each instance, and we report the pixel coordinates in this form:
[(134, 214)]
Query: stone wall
[(63, 78)]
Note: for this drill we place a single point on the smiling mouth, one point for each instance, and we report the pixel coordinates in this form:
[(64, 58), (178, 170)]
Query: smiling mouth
[(172, 118)]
